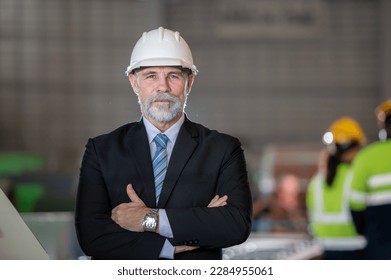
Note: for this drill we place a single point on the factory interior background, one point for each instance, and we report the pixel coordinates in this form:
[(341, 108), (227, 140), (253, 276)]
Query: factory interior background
[(274, 73)]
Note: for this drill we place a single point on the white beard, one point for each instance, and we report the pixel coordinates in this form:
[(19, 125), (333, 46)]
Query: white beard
[(163, 113)]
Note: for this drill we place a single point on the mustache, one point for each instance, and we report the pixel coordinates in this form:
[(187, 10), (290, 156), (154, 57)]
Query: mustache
[(163, 96)]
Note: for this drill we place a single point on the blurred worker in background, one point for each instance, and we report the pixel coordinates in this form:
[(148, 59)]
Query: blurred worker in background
[(286, 212), (328, 193), (163, 187), (370, 198)]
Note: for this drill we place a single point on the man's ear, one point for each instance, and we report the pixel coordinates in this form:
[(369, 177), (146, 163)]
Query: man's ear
[(190, 83), (133, 83)]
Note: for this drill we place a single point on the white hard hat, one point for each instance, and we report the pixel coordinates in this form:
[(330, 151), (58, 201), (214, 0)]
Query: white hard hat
[(161, 47)]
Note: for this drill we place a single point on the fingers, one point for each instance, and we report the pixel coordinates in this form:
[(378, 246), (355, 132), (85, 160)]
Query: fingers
[(222, 201), (184, 248), (218, 201), (114, 213), (213, 201), (132, 194)]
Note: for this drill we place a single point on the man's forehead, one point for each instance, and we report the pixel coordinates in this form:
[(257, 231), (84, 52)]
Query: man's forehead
[(160, 69)]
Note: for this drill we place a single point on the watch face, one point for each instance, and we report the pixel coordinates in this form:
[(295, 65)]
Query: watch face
[(150, 222)]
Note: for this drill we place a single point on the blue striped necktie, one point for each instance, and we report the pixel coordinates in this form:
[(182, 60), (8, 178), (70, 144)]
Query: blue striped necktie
[(160, 163)]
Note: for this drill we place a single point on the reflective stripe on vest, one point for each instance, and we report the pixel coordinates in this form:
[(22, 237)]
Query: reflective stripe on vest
[(319, 216), (375, 196), (379, 181), (371, 199)]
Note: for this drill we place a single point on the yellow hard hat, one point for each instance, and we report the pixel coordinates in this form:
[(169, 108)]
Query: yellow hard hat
[(344, 131), (383, 110)]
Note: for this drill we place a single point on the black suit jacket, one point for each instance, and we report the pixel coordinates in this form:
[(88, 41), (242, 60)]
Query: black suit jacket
[(203, 163)]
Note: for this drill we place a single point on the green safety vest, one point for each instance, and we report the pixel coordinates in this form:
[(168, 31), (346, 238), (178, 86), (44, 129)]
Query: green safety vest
[(330, 219), (371, 183)]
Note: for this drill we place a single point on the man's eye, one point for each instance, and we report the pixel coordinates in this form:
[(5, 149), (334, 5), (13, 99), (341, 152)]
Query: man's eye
[(150, 77), (175, 76)]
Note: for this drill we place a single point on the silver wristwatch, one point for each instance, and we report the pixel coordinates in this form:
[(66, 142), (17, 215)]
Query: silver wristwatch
[(151, 220)]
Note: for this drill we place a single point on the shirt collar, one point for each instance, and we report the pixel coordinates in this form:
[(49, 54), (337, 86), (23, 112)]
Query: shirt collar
[(171, 133)]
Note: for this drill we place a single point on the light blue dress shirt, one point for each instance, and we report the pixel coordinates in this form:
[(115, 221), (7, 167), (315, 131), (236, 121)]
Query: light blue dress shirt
[(172, 134)]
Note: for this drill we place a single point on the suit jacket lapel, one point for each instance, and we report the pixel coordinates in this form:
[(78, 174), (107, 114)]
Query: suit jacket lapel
[(139, 147), (184, 147)]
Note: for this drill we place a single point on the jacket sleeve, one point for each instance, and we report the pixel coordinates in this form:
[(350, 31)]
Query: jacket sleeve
[(99, 236), (219, 227)]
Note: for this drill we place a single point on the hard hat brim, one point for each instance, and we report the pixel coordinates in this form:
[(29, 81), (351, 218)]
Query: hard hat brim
[(160, 62)]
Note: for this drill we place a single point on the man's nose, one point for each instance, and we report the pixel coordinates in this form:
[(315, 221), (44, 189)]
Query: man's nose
[(163, 84)]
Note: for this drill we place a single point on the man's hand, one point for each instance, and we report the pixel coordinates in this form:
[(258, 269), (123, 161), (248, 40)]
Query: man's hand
[(218, 201), (130, 215)]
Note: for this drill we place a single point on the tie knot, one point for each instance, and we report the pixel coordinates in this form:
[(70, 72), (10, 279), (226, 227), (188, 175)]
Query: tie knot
[(161, 140)]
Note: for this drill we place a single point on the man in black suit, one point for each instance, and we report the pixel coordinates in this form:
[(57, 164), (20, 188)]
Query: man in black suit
[(200, 202)]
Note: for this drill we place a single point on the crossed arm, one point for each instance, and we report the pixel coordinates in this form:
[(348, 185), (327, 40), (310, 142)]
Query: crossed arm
[(130, 215), (107, 228)]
